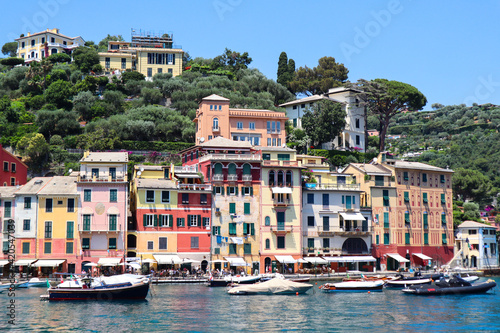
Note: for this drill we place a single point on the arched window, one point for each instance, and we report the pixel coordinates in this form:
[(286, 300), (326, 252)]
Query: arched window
[(288, 178), (246, 169), (281, 178), (354, 245), (218, 169), (268, 244), (271, 177), (268, 221), (216, 123), (231, 169)]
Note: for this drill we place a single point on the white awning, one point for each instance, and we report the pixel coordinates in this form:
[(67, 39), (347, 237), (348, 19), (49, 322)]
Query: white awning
[(24, 262), (3, 262), (351, 259), (316, 260), (286, 259), (236, 261), (422, 256), (352, 216), (167, 259), (109, 261), (48, 262), (397, 257), (281, 190), (302, 261)]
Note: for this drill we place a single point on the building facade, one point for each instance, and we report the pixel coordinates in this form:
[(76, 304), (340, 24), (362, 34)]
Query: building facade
[(215, 118), (475, 246), (14, 172)]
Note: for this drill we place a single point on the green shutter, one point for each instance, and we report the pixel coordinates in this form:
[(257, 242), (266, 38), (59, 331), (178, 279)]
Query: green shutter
[(426, 221), (251, 190), (445, 241), (155, 220), (443, 199), (407, 217), (232, 228), (236, 190), (443, 218), (214, 229), (232, 208), (245, 228), (377, 239), (170, 221), (407, 197), (144, 220), (386, 219), (222, 190), (247, 208), (227, 189), (200, 221), (425, 197), (426, 239), (213, 190), (407, 238), (252, 229)]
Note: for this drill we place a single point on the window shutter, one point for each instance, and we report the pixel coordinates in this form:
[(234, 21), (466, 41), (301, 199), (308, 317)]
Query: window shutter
[(213, 190), (170, 221), (156, 220), (252, 229), (145, 219), (342, 199), (251, 190), (236, 190), (353, 200), (222, 190), (200, 223), (227, 190), (214, 231), (245, 228)]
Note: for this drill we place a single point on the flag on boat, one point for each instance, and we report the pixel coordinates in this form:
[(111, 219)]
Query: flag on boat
[(48, 284)]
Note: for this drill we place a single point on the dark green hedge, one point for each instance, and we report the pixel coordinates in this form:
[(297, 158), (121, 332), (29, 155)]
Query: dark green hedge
[(155, 145)]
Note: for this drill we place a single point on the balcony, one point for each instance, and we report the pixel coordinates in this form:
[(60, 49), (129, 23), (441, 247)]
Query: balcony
[(104, 227), (218, 178), (194, 187), (325, 232), (337, 187), (94, 179), (216, 129), (247, 178), (269, 163), (72, 46), (281, 229), (281, 202), (232, 178), (186, 168), (230, 157)]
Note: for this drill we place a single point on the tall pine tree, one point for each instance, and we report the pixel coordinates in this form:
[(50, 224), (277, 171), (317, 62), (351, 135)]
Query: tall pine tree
[(286, 69)]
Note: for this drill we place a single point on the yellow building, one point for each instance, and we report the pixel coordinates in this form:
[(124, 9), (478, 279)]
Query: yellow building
[(281, 226), (148, 54), (43, 44), (57, 232)]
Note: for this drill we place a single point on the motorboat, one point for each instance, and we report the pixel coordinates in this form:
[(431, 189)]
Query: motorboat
[(117, 287), (36, 282), (404, 283), (454, 286), (370, 285), (227, 280), (468, 278), (274, 286)]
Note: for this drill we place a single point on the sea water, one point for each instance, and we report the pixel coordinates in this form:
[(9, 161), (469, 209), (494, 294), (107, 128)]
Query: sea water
[(198, 308)]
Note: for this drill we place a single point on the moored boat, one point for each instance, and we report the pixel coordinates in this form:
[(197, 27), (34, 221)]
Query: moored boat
[(274, 286), (455, 286), (36, 282), (376, 285), (113, 288), (403, 283), (233, 280)]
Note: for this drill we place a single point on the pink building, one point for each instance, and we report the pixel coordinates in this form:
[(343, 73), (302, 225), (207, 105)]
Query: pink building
[(13, 171)]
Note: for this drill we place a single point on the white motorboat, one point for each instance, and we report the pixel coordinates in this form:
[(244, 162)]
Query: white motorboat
[(274, 286), (375, 285)]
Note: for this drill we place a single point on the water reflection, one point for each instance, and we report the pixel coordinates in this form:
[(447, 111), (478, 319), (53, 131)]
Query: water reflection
[(197, 308)]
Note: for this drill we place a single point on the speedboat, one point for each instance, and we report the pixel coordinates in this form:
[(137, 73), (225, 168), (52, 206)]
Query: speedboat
[(36, 282), (376, 285), (404, 283), (274, 286), (116, 287), (454, 286), (227, 280)]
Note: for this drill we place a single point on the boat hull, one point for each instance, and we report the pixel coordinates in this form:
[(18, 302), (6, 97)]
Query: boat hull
[(353, 286), (403, 283), (435, 290), (117, 292), (226, 282)]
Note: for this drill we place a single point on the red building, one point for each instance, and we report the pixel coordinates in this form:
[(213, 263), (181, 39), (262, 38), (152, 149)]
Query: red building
[(14, 171)]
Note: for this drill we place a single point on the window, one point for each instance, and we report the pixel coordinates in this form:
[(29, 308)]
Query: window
[(217, 250), (326, 223), (377, 239), (405, 176), (386, 219), (267, 221), (85, 243), (32, 42), (47, 248), (95, 173), (232, 248), (281, 242), (6, 166), (87, 195), (269, 142), (445, 241), (239, 125), (406, 196), (232, 208), (443, 219), (426, 220), (162, 243), (195, 242), (148, 220), (71, 205), (302, 106), (27, 202), (48, 205), (150, 196), (424, 198), (206, 221), (357, 123), (86, 222), (69, 247), (203, 198), (385, 194), (232, 229), (180, 222), (386, 238), (426, 239), (442, 179), (251, 126), (379, 180), (26, 225), (443, 199), (249, 229), (247, 190), (294, 107), (407, 217), (326, 200), (424, 178), (215, 231), (232, 190), (280, 219), (246, 206), (266, 157), (22, 45), (283, 157), (26, 247), (310, 221), (150, 72), (268, 244), (124, 63), (165, 196), (215, 124), (150, 245), (112, 173), (185, 198), (219, 190), (193, 220), (13, 167), (358, 140), (310, 198), (113, 195), (48, 229), (70, 229), (326, 244), (112, 222), (12, 181), (166, 220), (7, 205), (407, 238), (247, 248)]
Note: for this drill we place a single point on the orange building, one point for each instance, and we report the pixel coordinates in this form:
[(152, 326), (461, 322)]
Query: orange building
[(215, 118)]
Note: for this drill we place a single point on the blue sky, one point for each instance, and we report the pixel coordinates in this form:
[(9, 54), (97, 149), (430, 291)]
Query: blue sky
[(449, 50)]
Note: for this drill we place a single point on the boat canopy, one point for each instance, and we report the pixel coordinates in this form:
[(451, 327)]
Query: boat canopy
[(352, 216), (48, 262), (286, 259), (422, 256), (285, 190), (109, 261), (167, 259), (397, 257), (24, 262), (351, 259), (236, 261)]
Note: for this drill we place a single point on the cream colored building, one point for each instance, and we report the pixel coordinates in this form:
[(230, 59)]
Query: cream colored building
[(475, 246)]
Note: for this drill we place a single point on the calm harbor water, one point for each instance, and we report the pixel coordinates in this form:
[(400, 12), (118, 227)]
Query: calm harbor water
[(197, 308)]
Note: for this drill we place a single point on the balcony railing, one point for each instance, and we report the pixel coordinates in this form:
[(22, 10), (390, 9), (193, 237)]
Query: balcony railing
[(232, 177), (186, 168), (218, 177), (343, 187), (246, 178), (281, 229), (281, 163), (231, 157), (281, 202), (84, 178), (322, 231), (99, 227), (216, 129), (194, 187)]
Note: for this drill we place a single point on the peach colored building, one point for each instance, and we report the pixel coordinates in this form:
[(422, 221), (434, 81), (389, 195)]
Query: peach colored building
[(215, 118)]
